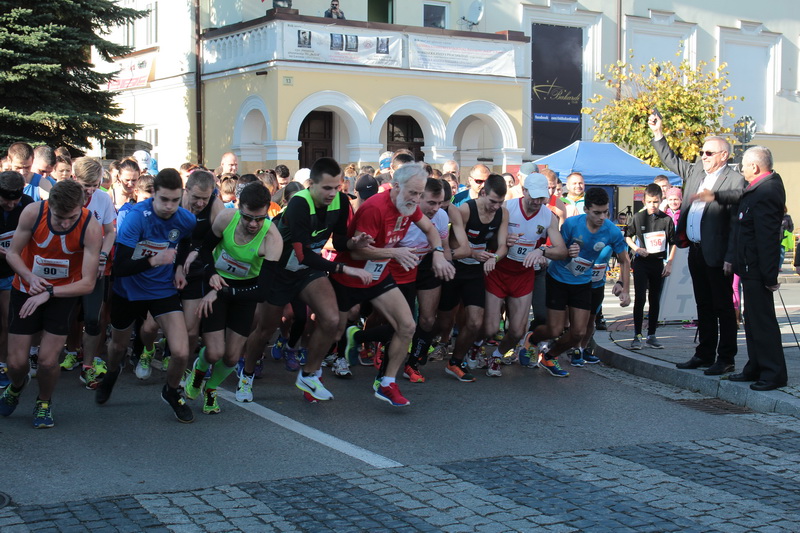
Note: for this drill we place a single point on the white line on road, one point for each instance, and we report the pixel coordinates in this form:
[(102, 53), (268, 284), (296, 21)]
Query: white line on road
[(356, 452), (615, 305)]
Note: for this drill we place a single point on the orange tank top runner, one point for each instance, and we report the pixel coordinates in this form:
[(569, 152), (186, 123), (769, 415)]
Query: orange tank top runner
[(55, 256)]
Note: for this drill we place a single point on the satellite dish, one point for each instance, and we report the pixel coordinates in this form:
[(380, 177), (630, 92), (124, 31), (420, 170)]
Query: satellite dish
[(474, 14), (745, 129)]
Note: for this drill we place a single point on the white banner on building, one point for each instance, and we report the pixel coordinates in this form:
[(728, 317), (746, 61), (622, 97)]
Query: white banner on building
[(677, 296), (462, 56), (342, 46), (133, 72)]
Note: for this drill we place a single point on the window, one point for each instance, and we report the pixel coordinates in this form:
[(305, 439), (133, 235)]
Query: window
[(151, 24), (434, 15)]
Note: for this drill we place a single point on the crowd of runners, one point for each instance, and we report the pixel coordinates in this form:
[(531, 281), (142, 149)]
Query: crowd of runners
[(336, 267)]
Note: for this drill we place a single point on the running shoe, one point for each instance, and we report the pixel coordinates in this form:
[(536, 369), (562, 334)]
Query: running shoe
[(636, 343), (165, 363), (653, 342), (392, 395), (494, 369), (278, 347), (380, 353), (552, 366), (210, 405), (100, 367), (528, 354), (302, 356), (89, 377), (244, 389), (259, 369), (509, 358), (437, 351), (194, 382), (590, 357), (330, 359), (70, 362), (4, 379), (42, 415), (413, 375), (312, 385), (600, 323), (460, 372), (143, 368), (174, 398), (290, 359), (476, 357), (10, 399), (33, 361), (103, 391), (351, 350), (341, 369), (576, 357), (240, 365), (366, 355)]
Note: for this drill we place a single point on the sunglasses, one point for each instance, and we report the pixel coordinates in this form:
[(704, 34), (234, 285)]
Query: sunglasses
[(479, 182), (709, 153), (251, 218)]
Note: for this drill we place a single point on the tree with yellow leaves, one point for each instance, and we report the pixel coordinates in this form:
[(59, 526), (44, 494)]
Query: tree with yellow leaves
[(692, 101)]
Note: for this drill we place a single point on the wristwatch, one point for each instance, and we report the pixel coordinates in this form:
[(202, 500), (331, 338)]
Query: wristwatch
[(438, 249), (49, 289)]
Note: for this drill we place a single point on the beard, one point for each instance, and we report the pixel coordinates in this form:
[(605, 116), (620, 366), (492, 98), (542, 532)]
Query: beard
[(406, 208)]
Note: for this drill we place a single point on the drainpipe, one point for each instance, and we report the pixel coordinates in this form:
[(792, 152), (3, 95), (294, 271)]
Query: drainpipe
[(619, 40), (198, 87)]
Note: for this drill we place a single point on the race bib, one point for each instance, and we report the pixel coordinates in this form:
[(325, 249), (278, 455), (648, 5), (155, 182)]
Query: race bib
[(293, 264), (579, 266), (148, 249), (518, 251), (228, 265), (50, 268), (478, 248), (5, 239), (655, 242), (598, 271), (376, 268)]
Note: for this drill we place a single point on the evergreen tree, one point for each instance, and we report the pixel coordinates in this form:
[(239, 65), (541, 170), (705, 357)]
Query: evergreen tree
[(49, 92)]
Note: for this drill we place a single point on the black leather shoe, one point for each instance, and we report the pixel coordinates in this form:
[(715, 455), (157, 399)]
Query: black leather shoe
[(741, 376), (694, 362), (766, 385), (719, 368)]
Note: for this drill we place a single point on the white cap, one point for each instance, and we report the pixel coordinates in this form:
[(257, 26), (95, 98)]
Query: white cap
[(537, 185), (528, 168), (143, 158), (302, 175)]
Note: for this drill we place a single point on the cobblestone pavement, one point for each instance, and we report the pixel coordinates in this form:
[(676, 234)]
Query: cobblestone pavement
[(728, 485)]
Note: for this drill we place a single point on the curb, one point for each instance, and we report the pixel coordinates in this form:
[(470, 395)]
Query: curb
[(694, 380)]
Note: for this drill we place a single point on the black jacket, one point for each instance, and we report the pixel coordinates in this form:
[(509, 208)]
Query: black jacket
[(757, 233)]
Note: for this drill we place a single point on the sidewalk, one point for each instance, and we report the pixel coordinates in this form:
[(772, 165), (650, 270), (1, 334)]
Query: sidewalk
[(679, 344)]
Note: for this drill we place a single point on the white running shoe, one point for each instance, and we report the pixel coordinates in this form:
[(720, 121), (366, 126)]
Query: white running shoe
[(341, 369), (312, 385), (244, 389)]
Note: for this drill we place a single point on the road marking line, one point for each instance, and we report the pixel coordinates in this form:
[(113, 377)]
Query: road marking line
[(342, 446)]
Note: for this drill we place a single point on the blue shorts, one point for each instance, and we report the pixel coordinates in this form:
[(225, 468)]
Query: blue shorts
[(5, 283)]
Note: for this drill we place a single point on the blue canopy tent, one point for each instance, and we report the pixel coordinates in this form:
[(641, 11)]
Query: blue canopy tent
[(603, 164)]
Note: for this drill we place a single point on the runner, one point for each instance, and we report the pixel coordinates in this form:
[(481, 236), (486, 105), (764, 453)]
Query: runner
[(386, 219), (12, 202), (145, 282), (486, 225), (512, 280), (569, 281), (312, 217), (55, 254), (241, 241)]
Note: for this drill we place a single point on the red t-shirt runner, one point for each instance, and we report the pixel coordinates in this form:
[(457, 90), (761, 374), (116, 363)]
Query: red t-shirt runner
[(379, 218)]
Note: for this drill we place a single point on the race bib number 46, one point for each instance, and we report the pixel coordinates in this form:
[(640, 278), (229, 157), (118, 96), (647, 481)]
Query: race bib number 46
[(50, 268)]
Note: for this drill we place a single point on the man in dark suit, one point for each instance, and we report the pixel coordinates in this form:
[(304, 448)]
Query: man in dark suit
[(705, 227), (757, 241)]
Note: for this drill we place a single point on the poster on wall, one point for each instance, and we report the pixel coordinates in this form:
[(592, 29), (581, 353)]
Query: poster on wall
[(342, 46), (556, 87), (462, 56)]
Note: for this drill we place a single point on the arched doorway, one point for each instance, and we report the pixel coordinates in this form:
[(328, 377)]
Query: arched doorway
[(403, 131), (316, 136)]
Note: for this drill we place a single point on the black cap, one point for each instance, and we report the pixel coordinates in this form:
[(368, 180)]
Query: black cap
[(366, 186)]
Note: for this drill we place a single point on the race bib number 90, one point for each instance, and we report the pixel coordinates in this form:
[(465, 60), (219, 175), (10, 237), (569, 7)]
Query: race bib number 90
[(50, 268)]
